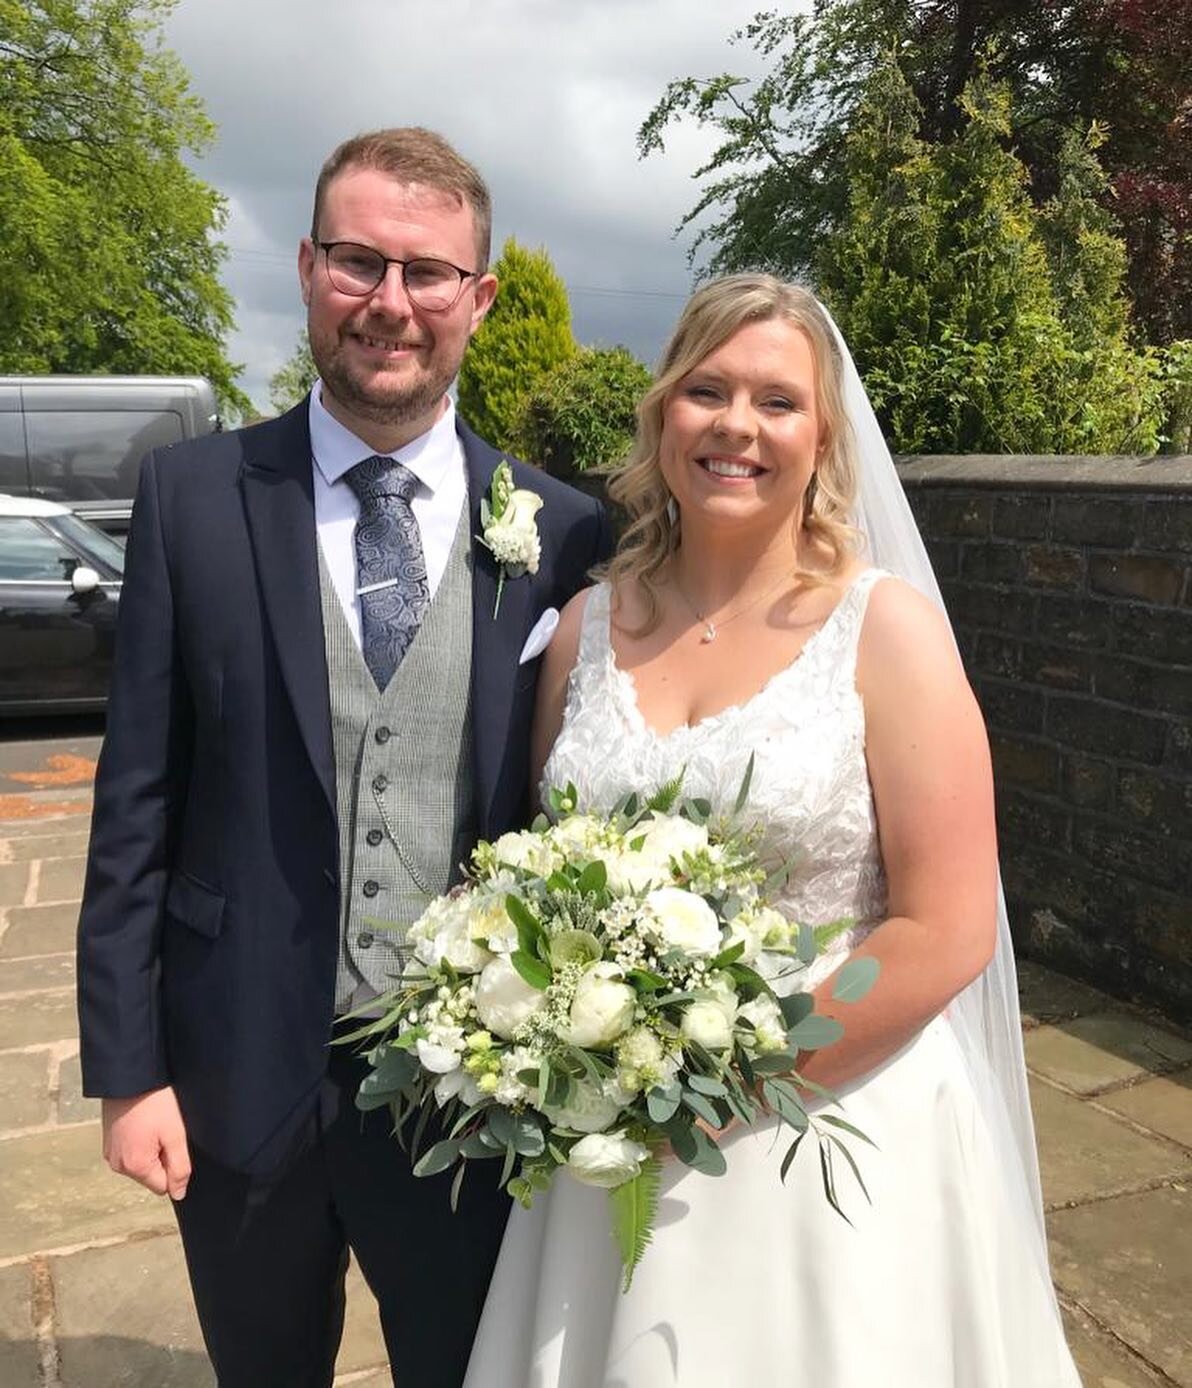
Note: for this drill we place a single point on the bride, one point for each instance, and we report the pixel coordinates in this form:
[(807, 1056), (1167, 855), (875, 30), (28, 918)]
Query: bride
[(738, 620)]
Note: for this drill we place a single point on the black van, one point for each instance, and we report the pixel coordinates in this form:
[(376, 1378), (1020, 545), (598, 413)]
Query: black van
[(80, 439)]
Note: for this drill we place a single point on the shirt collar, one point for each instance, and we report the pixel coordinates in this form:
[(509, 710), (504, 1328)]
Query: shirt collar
[(430, 457)]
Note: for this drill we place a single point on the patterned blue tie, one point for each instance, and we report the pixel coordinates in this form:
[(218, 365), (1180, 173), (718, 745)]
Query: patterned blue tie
[(390, 566)]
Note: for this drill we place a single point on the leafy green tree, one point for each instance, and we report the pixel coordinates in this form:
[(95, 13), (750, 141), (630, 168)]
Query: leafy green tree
[(946, 281), (775, 188), (111, 261), (581, 416), (526, 335), (289, 383)]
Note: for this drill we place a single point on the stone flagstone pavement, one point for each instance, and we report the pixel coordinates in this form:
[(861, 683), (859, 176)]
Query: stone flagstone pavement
[(93, 1290)]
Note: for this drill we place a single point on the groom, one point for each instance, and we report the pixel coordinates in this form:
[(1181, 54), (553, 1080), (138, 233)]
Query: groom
[(317, 709)]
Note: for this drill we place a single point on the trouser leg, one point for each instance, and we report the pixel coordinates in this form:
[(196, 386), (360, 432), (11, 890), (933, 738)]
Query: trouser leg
[(267, 1261)]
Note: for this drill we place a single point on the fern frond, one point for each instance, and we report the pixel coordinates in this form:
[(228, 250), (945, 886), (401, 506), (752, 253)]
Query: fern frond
[(634, 1206)]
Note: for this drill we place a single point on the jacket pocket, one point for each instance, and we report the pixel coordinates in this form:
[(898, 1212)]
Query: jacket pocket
[(194, 904)]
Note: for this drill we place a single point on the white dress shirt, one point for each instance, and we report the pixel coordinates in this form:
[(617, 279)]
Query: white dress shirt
[(436, 458)]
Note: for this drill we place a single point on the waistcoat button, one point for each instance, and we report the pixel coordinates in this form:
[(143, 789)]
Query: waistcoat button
[(371, 888)]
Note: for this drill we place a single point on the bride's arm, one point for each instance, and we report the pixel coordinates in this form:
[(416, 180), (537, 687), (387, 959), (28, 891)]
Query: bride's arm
[(929, 767), (557, 663)]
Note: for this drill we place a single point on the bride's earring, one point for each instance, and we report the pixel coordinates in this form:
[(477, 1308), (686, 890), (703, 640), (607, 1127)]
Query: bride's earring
[(672, 512)]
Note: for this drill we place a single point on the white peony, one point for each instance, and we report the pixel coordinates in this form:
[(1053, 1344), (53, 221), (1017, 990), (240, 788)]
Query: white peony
[(504, 1000), (669, 837), (592, 1107), (606, 1159), (602, 1007), (684, 921), (768, 1024), (704, 1023)]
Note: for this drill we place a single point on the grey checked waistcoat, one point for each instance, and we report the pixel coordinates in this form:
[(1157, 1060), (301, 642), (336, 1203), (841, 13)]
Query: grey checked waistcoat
[(403, 775)]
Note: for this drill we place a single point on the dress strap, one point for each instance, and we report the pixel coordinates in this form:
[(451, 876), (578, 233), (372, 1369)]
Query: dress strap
[(593, 632)]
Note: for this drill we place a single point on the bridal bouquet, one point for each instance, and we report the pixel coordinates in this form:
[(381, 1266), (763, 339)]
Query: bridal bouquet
[(597, 992)]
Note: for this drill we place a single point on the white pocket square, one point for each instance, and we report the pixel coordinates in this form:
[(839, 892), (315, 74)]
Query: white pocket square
[(539, 637)]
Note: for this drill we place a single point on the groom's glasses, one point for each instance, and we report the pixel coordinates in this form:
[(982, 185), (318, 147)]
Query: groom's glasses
[(434, 285)]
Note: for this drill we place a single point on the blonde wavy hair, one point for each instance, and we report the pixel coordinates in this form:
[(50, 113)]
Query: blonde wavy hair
[(712, 315)]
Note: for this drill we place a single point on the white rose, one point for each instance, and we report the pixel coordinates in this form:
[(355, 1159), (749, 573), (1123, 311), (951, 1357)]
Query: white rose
[(592, 1107), (768, 1024), (606, 1159), (528, 851), (602, 1007), (671, 836), (704, 1023), (685, 921), (504, 1000)]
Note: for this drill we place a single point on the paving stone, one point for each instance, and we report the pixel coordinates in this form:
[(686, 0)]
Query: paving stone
[(18, 1347), (37, 1019), (40, 930), (14, 879), (1045, 996), (58, 1193), (61, 879), (363, 1344), (1088, 1053), (41, 845), (1084, 1153), (1102, 1361), (24, 1091), (72, 1106), (1163, 1105), (1126, 1261), (125, 1318), (74, 822), (28, 975)]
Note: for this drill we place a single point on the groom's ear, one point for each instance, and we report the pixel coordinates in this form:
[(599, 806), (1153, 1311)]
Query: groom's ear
[(306, 267)]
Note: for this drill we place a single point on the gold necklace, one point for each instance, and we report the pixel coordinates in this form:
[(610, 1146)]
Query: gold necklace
[(710, 629)]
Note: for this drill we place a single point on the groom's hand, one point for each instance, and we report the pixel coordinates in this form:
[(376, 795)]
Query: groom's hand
[(145, 1138)]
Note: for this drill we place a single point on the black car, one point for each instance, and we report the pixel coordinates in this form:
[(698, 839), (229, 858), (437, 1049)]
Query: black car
[(59, 589)]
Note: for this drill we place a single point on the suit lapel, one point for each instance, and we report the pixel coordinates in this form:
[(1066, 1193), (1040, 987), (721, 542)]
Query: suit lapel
[(278, 493), (496, 642)]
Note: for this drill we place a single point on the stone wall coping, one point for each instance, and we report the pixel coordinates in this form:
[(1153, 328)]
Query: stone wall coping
[(1152, 474)]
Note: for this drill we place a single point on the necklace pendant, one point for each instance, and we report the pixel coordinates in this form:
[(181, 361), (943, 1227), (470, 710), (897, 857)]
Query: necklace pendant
[(709, 634)]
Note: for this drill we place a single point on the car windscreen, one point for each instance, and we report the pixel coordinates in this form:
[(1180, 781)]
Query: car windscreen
[(94, 543), (93, 455)]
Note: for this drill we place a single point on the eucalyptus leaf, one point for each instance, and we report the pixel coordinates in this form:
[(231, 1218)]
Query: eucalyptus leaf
[(702, 1108), (790, 1156), (704, 1156), (795, 1006), (708, 1084), (854, 979), (836, 1122), (661, 1103), (806, 948), (856, 1170), (439, 1158), (814, 1032)]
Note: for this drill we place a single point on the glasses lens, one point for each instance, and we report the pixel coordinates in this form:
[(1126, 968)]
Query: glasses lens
[(354, 269), (432, 284)]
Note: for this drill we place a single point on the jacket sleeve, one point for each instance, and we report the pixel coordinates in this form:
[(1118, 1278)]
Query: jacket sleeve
[(139, 794)]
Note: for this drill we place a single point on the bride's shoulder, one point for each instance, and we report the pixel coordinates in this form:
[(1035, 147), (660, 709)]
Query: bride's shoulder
[(903, 630)]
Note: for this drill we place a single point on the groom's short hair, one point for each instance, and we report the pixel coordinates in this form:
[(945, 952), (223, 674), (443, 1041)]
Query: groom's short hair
[(412, 154)]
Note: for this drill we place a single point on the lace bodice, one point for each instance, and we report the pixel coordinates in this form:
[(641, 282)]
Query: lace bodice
[(809, 792)]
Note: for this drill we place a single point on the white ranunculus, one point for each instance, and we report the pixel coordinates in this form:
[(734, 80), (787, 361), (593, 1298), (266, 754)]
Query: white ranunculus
[(592, 1107), (685, 921), (606, 1159), (513, 538), (602, 1007), (504, 1000), (704, 1023), (768, 1024)]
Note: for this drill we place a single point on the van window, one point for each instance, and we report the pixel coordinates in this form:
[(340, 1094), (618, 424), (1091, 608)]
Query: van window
[(93, 455), (14, 477)]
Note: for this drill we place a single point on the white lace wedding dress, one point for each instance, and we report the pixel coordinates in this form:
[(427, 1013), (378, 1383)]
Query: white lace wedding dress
[(750, 1282)]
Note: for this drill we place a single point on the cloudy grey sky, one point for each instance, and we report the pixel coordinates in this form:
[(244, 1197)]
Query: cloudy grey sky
[(545, 96)]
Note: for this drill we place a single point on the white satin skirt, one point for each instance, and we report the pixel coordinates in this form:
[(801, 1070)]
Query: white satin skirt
[(750, 1281)]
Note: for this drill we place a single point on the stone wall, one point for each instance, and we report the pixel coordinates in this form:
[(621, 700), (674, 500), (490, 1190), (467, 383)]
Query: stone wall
[(1069, 582)]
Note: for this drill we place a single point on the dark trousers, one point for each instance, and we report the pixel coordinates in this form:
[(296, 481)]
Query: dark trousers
[(267, 1258)]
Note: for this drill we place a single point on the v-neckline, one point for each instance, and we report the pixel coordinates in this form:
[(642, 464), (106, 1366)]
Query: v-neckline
[(626, 684)]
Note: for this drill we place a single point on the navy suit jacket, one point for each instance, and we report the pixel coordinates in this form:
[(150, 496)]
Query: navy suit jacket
[(208, 936)]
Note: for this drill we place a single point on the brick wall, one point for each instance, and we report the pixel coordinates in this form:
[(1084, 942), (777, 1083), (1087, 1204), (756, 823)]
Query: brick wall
[(1069, 583)]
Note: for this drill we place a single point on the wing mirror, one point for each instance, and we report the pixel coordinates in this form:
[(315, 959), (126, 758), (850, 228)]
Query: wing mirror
[(84, 579)]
